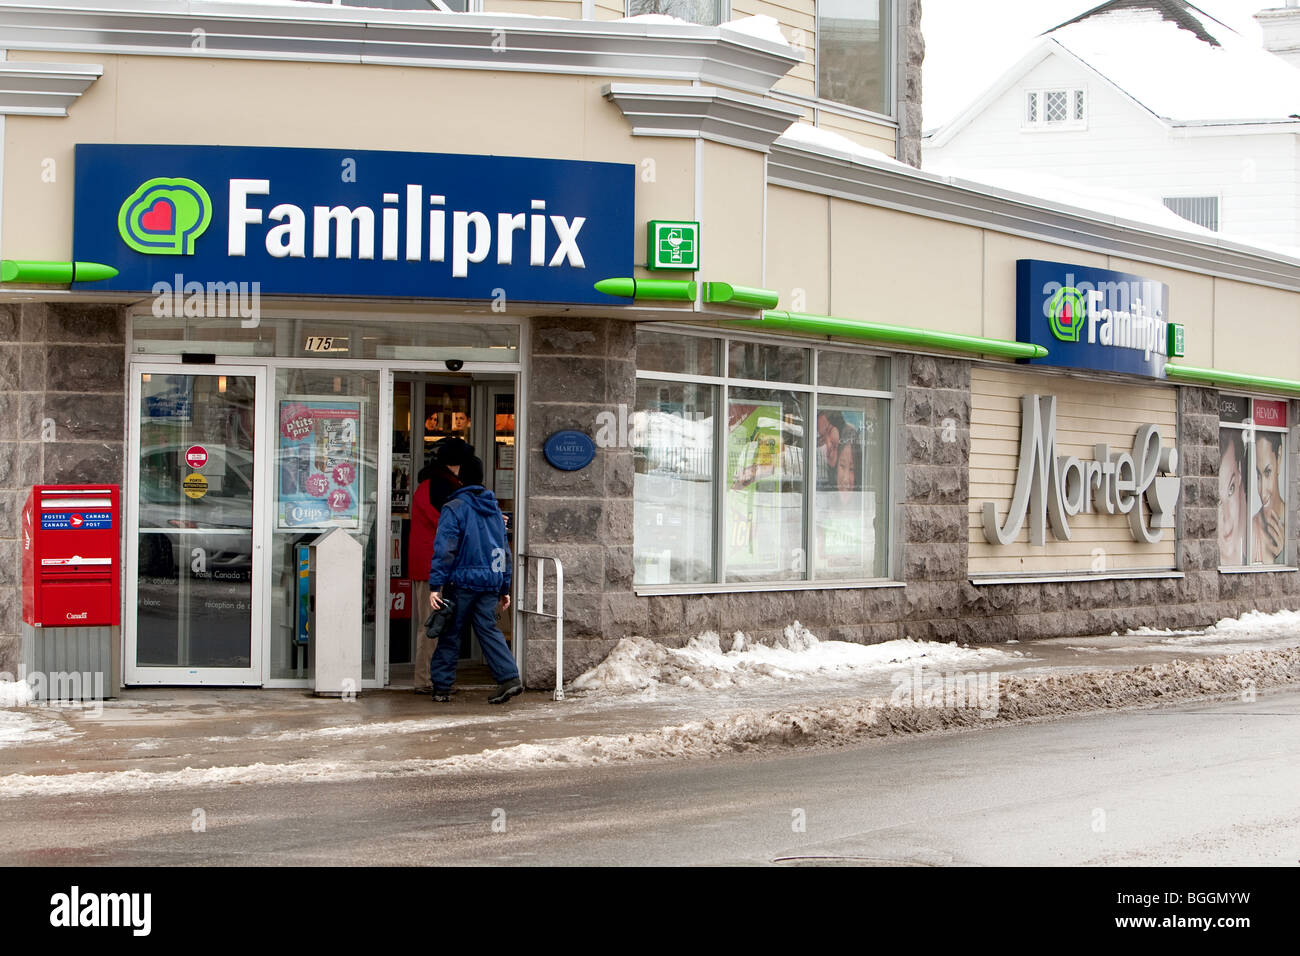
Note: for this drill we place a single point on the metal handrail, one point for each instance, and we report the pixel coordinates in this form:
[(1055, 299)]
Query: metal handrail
[(558, 616)]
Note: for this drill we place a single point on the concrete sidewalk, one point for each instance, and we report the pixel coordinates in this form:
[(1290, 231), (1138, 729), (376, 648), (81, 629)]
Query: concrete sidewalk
[(172, 729)]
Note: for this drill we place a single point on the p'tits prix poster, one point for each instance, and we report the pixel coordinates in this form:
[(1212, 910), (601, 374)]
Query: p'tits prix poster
[(320, 464)]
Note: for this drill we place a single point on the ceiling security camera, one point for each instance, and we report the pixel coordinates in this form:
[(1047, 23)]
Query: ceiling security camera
[(454, 365)]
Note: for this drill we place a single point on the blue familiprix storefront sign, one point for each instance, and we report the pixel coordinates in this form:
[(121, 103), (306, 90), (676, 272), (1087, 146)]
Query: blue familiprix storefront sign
[(346, 222), (1095, 318)]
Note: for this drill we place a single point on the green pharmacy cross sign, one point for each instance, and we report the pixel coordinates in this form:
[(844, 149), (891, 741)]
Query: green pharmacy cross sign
[(671, 244)]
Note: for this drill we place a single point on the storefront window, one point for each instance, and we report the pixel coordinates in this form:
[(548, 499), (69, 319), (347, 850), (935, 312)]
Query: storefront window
[(854, 53), (673, 499), (1252, 481), (772, 525), (851, 480), (765, 488)]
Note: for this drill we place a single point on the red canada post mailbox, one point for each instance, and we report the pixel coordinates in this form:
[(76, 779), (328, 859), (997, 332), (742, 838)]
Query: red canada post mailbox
[(72, 556)]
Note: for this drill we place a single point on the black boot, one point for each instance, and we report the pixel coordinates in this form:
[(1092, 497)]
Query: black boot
[(442, 695), (507, 690)]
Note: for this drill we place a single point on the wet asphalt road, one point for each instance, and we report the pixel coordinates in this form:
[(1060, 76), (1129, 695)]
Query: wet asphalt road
[(1192, 784)]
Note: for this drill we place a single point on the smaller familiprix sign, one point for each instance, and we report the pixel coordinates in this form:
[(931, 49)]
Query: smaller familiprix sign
[(1094, 318)]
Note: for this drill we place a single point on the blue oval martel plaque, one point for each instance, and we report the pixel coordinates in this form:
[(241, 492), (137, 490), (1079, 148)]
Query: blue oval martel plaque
[(569, 450)]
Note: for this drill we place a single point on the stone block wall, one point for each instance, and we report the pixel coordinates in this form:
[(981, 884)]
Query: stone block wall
[(62, 421), (911, 56), (581, 368)]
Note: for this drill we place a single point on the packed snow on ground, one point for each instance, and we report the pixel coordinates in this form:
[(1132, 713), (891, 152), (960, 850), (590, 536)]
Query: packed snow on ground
[(638, 664), (840, 721), (385, 729), (23, 727)]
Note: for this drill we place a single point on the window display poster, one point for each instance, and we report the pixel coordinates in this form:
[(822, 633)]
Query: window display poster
[(754, 473), (841, 504), (319, 457)]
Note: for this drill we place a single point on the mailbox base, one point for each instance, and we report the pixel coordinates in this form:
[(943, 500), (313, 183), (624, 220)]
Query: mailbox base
[(74, 663)]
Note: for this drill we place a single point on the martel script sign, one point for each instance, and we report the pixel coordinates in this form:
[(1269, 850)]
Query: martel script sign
[(1142, 485)]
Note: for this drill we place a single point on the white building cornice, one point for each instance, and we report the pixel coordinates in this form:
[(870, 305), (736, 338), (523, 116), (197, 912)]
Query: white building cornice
[(895, 186), (43, 89), (702, 112), (310, 32)]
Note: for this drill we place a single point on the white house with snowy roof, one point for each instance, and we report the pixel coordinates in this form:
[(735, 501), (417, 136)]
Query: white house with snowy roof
[(1152, 97)]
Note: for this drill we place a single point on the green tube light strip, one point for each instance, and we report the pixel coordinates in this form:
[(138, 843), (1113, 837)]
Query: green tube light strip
[(900, 335), (1210, 376), (672, 290), (57, 273), (725, 292)]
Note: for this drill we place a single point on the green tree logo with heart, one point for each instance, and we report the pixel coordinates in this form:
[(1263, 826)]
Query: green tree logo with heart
[(163, 217)]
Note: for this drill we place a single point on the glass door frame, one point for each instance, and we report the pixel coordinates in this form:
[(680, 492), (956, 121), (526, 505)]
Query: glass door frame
[(503, 377), (250, 676)]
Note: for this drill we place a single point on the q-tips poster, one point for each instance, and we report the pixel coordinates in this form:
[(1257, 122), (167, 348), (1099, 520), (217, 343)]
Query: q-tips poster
[(319, 460)]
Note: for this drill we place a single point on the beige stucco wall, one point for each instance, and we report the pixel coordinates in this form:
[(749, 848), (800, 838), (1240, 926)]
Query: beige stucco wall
[(1088, 412), (798, 262), (275, 103), (1256, 329), (894, 267), (731, 239)]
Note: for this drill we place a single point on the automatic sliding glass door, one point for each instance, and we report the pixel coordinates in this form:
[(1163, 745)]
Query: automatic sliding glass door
[(193, 558)]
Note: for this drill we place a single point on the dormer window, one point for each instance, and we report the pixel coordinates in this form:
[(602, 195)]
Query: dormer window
[(1055, 109)]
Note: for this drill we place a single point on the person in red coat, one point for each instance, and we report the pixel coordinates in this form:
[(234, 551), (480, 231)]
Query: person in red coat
[(437, 482)]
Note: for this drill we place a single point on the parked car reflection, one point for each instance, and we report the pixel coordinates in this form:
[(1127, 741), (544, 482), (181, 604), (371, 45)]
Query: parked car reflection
[(212, 532)]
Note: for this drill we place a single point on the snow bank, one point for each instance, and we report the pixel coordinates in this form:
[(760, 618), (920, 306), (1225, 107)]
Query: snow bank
[(15, 693), (638, 664), (1254, 627)]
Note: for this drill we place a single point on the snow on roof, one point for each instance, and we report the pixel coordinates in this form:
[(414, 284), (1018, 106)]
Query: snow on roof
[(763, 27), (1182, 64), (1068, 193), (1030, 188), (825, 141)]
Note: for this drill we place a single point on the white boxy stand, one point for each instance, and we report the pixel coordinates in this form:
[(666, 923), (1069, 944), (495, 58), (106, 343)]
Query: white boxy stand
[(335, 628)]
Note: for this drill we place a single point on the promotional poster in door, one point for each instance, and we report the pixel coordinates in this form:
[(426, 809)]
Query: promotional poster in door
[(320, 465)]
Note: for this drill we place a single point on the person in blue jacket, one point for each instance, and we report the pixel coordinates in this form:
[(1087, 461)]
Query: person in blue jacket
[(472, 560)]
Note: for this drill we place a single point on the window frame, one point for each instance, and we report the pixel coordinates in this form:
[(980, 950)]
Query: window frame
[(891, 72), (1041, 124), (724, 12), (721, 404)]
